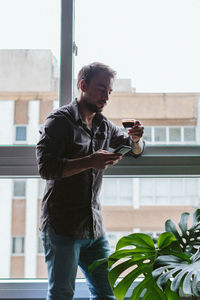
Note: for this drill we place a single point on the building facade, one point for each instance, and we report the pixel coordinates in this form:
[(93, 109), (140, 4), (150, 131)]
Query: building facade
[(29, 92)]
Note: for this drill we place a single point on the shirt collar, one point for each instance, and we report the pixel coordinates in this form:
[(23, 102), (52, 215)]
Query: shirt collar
[(77, 117)]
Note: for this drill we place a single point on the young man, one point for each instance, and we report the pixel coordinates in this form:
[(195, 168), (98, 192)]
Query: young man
[(72, 154)]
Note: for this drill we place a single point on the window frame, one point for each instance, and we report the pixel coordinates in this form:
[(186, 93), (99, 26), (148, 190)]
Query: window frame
[(19, 161)]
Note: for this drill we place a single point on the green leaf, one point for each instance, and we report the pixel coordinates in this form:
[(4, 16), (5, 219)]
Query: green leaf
[(165, 239), (183, 222), (182, 272), (150, 289), (169, 293), (137, 240), (122, 287), (97, 263), (196, 216), (136, 262), (171, 227)]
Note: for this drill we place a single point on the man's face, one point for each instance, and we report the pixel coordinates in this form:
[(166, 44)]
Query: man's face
[(96, 93)]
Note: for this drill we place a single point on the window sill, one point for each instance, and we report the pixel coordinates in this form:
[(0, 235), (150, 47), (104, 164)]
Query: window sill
[(35, 289), (161, 160)]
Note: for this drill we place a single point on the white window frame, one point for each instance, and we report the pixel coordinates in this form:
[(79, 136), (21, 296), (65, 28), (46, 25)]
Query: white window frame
[(168, 142), (183, 161)]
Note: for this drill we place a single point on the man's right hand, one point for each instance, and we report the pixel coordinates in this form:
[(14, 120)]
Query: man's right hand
[(101, 159)]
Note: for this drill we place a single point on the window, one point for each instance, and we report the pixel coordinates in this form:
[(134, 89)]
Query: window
[(160, 134), (18, 245), (174, 134), (189, 134), (19, 188), (170, 135), (20, 134), (117, 191), (158, 103), (147, 134), (169, 192)]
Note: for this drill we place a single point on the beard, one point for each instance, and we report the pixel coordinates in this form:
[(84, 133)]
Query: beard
[(92, 107)]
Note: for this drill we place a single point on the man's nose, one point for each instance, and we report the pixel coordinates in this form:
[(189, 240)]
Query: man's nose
[(106, 95)]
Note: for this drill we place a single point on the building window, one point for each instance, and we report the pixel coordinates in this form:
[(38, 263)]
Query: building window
[(20, 134), (160, 134), (169, 191), (170, 135), (147, 134), (189, 134), (117, 191), (19, 188), (18, 245), (174, 134)]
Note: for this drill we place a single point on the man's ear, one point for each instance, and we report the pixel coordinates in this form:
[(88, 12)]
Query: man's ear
[(83, 85)]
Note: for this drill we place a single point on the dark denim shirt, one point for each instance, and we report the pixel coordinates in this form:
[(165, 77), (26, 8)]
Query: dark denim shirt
[(71, 205)]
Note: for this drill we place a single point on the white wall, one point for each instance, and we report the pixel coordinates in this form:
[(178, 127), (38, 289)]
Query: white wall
[(5, 226), (33, 122), (6, 122), (31, 228)]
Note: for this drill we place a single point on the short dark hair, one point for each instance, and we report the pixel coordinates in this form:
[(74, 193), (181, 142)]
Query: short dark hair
[(89, 71)]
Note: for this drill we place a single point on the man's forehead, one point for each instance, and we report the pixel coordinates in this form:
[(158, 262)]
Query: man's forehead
[(103, 81)]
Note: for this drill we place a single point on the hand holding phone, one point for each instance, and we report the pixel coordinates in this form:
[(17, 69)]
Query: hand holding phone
[(122, 149)]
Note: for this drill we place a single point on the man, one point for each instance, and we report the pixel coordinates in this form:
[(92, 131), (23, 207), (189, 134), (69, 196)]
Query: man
[(72, 154)]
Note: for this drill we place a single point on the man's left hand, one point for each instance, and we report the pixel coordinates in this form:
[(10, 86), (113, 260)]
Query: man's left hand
[(136, 132)]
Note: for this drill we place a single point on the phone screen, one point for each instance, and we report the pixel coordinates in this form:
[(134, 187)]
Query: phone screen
[(123, 150)]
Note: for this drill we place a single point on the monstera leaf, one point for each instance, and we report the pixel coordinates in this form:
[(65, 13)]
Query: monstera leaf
[(189, 239), (184, 273), (164, 267), (135, 255)]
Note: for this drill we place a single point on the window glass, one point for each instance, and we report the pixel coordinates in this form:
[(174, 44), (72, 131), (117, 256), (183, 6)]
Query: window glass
[(18, 245), (189, 134), (19, 189), (128, 205), (20, 133), (160, 134), (147, 134), (29, 67), (174, 134), (153, 84)]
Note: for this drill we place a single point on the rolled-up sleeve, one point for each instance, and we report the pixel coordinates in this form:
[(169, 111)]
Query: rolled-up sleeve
[(50, 149)]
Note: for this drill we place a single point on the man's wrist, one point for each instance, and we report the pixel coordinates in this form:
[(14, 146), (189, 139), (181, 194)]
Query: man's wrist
[(136, 142)]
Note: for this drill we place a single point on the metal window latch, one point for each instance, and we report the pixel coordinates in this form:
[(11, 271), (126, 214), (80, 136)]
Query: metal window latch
[(75, 49)]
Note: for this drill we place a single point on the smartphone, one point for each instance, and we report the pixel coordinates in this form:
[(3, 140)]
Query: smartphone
[(122, 149)]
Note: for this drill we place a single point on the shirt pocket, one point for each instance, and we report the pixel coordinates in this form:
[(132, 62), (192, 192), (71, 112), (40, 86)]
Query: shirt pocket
[(102, 140)]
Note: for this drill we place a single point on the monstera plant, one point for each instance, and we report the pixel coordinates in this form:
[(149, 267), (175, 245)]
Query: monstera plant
[(167, 268)]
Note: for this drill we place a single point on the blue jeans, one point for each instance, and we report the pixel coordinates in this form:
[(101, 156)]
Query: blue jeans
[(64, 254)]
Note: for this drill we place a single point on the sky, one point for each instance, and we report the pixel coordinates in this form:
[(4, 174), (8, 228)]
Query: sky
[(154, 42)]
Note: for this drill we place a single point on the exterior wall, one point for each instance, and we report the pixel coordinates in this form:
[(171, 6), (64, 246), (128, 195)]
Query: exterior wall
[(31, 229), (153, 109), (147, 218), (27, 70), (5, 228), (17, 267), (21, 112), (18, 217), (6, 121)]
